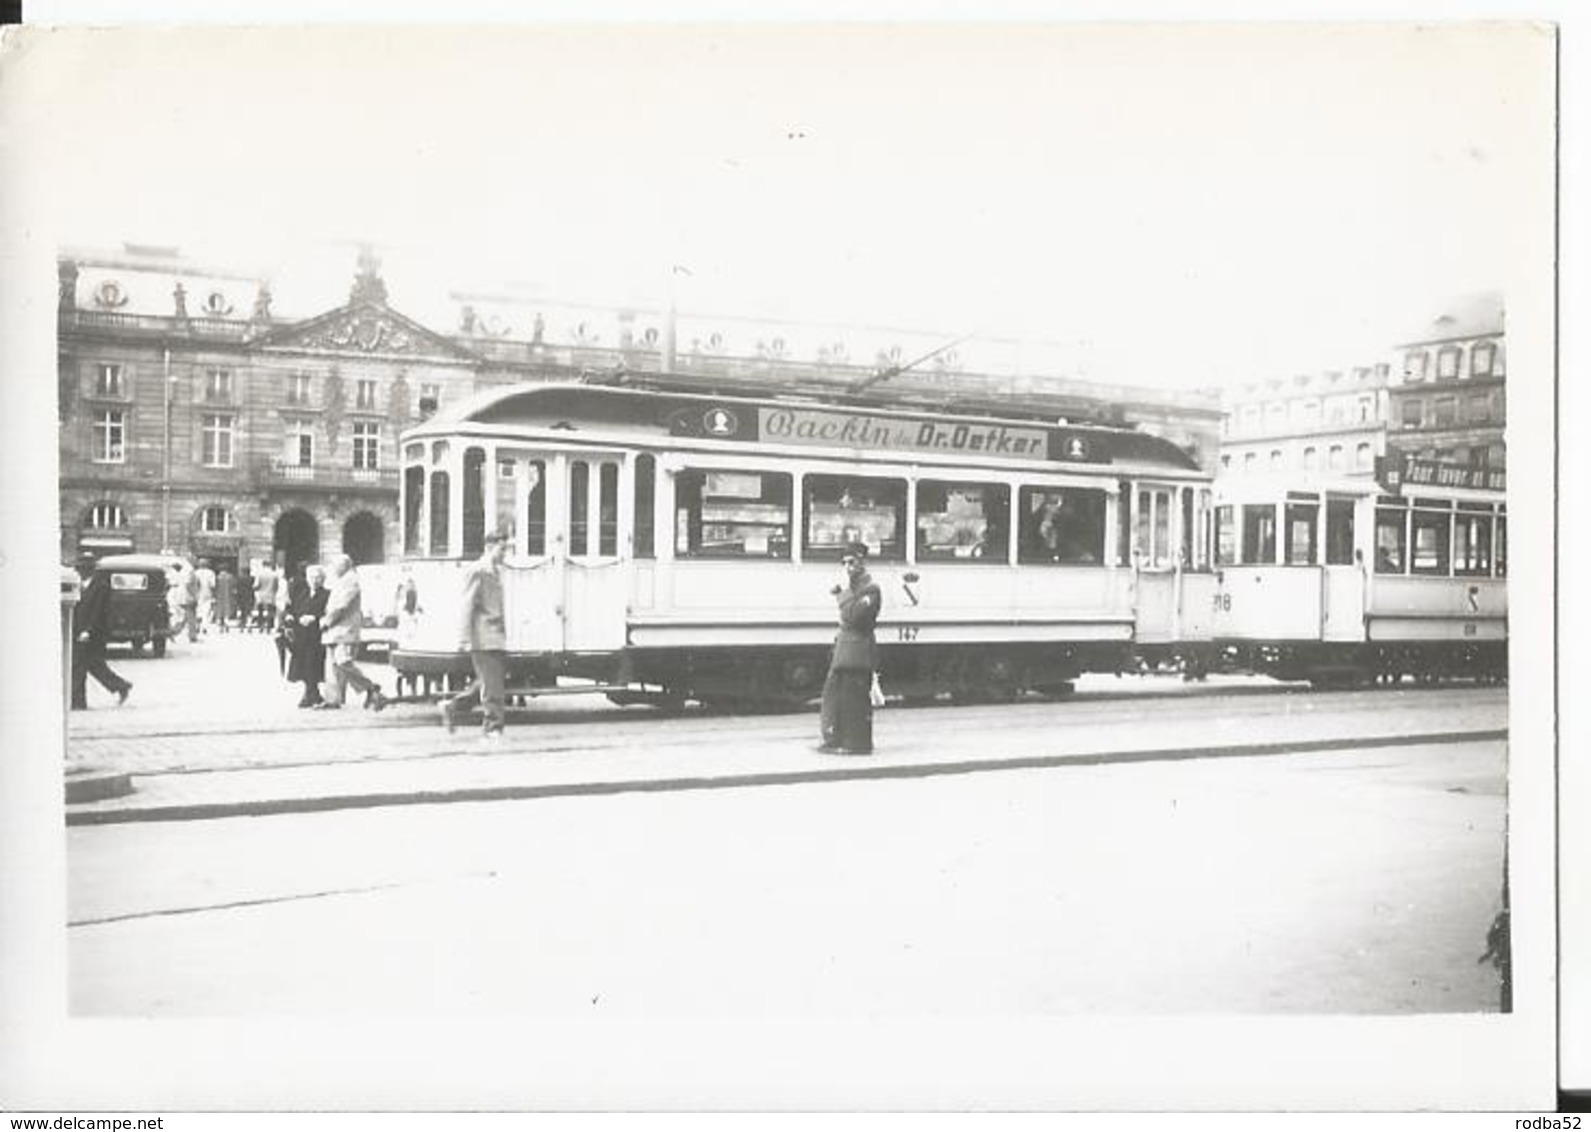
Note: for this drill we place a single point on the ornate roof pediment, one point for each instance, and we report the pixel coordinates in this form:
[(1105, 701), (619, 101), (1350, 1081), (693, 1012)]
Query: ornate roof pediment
[(363, 329)]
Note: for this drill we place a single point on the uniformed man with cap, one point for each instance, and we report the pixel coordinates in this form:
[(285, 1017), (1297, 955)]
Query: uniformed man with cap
[(847, 718)]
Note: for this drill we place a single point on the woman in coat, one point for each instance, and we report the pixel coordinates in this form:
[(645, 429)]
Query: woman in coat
[(847, 718), (305, 607)]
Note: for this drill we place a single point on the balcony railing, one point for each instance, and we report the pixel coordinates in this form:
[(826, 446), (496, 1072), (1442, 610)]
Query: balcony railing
[(323, 477)]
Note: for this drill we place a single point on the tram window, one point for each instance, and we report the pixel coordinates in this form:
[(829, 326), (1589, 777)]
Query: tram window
[(1225, 536), (608, 515), (1339, 532), (1391, 541), (1186, 553), (1201, 546), (1472, 546), (1299, 538), (1259, 535), (413, 508), (507, 506), (963, 522), (440, 499), (1124, 523), (579, 521), (474, 502), (645, 506), (1061, 525), (845, 509), (1432, 542), (1152, 528), (536, 508), (731, 514), (1502, 546)]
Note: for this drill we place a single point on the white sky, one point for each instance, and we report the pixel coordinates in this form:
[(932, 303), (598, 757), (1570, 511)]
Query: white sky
[(1186, 205)]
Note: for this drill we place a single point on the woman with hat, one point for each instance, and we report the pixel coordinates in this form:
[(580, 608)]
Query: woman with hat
[(847, 718)]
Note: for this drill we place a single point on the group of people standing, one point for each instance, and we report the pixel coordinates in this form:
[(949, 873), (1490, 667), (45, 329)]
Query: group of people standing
[(206, 597), (321, 620)]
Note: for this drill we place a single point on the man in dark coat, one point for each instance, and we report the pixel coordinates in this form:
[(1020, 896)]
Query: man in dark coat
[(304, 611), (847, 718), (90, 628)]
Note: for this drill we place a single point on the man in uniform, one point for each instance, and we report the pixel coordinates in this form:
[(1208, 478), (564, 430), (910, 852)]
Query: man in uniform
[(847, 719), (483, 634)]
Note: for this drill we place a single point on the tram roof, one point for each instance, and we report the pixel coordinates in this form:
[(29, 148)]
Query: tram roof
[(645, 407)]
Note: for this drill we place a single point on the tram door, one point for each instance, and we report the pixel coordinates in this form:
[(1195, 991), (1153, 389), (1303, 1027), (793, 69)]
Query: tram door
[(566, 585), (1342, 580), (1154, 560), (592, 573)]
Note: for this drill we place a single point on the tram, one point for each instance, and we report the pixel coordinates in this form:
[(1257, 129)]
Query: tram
[(1349, 582), (673, 544)]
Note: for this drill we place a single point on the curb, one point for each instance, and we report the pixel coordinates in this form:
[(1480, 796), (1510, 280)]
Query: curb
[(89, 784), (202, 811)]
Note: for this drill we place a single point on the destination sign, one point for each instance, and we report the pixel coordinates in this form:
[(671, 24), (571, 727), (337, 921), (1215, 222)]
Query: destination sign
[(1412, 471), (821, 427)]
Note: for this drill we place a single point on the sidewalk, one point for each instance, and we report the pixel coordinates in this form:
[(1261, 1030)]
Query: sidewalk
[(194, 746)]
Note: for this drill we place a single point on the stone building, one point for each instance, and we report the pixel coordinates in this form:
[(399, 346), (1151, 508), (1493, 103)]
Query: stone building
[(1331, 424), (1448, 407)]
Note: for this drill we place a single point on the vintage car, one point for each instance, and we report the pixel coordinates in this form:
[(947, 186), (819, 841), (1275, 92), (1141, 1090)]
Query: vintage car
[(139, 615)]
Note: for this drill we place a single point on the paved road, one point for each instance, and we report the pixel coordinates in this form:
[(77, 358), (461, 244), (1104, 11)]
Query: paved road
[(1337, 881)]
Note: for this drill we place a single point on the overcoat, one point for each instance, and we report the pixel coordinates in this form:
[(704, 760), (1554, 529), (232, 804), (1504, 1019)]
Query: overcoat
[(481, 624), (854, 645), (309, 654)]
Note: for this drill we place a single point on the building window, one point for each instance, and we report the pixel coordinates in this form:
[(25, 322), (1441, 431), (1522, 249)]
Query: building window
[(108, 381), (1411, 414), (215, 304), (1251, 418), (107, 517), (1367, 408), (217, 521), (298, 389), (1249, 460), (367, 444), (1446, 410), (1276, 415), (1363, 457), (1447, 362), (1226, 463), (216, 433), (1311, 459), (1496, 455), (218, 385), (1276, 459), (299, 450), (365, 394), (1482, 358), (1478, 409), (1334, 458), (110, 437)]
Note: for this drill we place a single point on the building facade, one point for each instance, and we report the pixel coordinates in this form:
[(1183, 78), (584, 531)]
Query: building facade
[(195, 420), (1330, 424), (1448, 403)]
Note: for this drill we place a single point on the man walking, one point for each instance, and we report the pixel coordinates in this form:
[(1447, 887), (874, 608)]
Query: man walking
[(91, 626), (483, 634), (265, 582), (340, 626)]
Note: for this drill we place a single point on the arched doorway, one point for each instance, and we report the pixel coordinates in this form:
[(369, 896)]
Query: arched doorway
[(364, 540), (296, 542)]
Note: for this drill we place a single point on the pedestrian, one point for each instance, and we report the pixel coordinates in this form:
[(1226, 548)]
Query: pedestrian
[(245, 609), (301, 621), (483, 634), (406, 602), (340, 629), (91, 627), (226, 599), (190, 604), (265, 583), (847, 716), (206, 609)]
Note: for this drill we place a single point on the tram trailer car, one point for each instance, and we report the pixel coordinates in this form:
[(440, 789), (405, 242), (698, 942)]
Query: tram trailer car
[(670, 545), (1345, 583)]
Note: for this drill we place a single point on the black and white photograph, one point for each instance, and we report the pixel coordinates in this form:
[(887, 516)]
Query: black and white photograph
[(964, 564)]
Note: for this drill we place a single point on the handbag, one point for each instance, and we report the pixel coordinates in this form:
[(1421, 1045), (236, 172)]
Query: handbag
[(875, 695)]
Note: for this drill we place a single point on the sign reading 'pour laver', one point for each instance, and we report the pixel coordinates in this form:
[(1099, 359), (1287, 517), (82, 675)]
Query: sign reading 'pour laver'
[(862, 430)]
